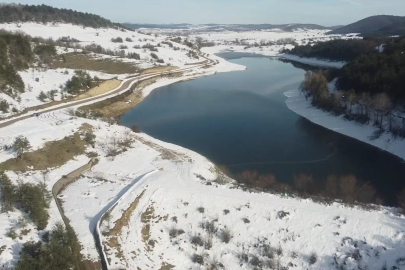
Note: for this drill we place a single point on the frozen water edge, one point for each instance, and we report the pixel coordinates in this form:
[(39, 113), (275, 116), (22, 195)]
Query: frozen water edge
[(298, 104)]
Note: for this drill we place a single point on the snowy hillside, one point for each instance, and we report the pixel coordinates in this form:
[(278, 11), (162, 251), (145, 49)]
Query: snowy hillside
[(151, 50), (103, 36), (155, 205)]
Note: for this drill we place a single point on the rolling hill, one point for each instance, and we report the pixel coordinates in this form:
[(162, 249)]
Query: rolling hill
[(381, 25), (15, 13)]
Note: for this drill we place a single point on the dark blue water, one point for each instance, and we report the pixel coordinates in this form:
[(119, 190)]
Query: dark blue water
[(239, 119)]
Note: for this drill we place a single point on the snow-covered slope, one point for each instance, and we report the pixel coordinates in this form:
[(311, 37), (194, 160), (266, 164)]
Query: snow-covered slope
[(183, 195), (103, 36)]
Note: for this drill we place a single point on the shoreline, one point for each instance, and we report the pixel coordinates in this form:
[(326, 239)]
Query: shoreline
[(299, 105)]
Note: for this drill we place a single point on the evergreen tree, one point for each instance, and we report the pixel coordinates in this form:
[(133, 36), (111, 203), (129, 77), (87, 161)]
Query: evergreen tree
[(21, 145), (8, 193)]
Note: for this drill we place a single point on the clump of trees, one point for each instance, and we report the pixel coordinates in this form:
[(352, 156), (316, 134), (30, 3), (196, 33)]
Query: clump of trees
[(31, 198), (338, 50), (376, 73), (15, 54), (100, 50), (150, 47), (154, 56), (4, 106), (56, 251), (20, 146), (80, 82), (117, 40), (360, 107)]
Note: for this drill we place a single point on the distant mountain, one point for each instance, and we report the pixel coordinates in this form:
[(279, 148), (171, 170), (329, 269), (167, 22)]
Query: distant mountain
[(161, 26), (230, 27), (381, 25), (14, 13)]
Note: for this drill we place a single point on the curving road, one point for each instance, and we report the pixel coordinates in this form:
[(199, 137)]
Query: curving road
[(124, 86)]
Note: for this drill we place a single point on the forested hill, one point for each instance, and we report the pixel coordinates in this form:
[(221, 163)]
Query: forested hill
[(381, 25), (375, 64), (10, 13)]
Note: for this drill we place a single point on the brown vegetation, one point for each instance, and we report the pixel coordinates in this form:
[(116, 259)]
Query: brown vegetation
[(87, 62), (346, 188), (53, 154), (118, 105)]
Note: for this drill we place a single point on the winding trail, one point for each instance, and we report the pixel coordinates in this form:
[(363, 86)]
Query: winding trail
[(125, 86)]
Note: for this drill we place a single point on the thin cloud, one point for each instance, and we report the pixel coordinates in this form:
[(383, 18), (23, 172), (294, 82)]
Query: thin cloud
[(353, 2)]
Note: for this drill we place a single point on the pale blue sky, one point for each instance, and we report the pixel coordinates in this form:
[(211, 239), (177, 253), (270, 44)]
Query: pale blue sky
[(325, 12)]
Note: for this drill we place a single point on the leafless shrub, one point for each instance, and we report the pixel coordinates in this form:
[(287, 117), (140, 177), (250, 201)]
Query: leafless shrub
[(225, 235), (201, 209), (226, 211), (136, 129), (312, 258), (209, 227), (196, 258), (196, 240), (173, 232), (71, 111), (348, 188)]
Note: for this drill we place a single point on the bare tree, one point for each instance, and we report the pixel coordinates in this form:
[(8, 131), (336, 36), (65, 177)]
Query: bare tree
[(401, 199), (351, 98), (365, 102), (382, 104), (348, 188), (331, 187), (303, 183)]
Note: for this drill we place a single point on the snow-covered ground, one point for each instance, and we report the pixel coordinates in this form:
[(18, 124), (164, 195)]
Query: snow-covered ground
[(37, 80), (182, 195), (181, 213), (103, 36)]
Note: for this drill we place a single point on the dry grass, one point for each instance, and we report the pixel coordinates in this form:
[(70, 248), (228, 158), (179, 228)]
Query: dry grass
[(158, 69), (87, 62), (146, 218), (123, 221), (166, 266), (103, 88), (115, 232), (166, 153), (90, 265), (53, 154)]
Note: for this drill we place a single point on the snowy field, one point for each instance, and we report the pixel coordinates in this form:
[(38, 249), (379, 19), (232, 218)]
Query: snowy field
[(176, 211), (182, 196)]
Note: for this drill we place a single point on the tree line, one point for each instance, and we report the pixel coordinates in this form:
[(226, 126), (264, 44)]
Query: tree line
[(338, 50), (346, 188), (10, 13), (17, 52), (360, 107), (32, 199), (375, 65)]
